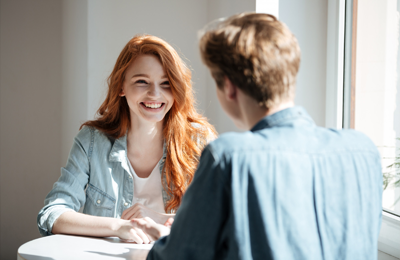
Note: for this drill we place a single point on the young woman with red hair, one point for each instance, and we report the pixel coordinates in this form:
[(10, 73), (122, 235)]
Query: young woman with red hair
[(140, 154)]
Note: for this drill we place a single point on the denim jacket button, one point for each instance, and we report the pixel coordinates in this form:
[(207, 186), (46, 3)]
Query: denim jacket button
[(98, 201), (126, 204)]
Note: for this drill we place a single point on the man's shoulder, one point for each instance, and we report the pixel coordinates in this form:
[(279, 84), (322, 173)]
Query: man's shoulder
[(312, 140), (350, 139), (231, 142)]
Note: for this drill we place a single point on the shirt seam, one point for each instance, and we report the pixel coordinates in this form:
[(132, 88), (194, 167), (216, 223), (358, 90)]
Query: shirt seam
[(302, 152), (91, 144)]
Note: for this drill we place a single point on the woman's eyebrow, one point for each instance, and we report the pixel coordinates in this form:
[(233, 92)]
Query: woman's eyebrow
[(140, 75), (147, 76)]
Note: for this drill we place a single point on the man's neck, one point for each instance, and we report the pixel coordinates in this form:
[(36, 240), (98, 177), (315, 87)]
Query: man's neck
[(278, 108), (252, 113)]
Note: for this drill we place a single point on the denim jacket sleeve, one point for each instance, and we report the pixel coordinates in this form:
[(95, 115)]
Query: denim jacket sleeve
[(68, 193)]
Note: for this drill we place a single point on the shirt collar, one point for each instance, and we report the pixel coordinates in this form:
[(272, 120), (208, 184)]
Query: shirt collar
[(282, 117)]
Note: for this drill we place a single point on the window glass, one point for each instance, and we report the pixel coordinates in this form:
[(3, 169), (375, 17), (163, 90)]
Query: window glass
[(375, 95)]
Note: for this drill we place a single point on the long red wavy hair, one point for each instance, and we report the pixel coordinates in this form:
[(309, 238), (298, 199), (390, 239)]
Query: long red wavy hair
[(184, 141)]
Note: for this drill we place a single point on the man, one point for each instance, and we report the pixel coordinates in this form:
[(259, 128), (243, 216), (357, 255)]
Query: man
[(286, 189)]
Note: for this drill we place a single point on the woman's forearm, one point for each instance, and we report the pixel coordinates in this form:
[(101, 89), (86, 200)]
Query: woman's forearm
[(74, 223)]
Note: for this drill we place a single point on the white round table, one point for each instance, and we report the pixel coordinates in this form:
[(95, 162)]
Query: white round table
[(78, 247)]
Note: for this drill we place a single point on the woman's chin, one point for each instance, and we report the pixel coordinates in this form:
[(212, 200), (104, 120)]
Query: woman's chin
[(146, 116), (153, 118)]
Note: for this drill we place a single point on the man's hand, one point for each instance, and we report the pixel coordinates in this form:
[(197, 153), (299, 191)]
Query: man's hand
[(140, 211), (152, 229)]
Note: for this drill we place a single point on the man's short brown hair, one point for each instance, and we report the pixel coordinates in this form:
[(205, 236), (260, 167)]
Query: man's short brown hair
[(257, 53)]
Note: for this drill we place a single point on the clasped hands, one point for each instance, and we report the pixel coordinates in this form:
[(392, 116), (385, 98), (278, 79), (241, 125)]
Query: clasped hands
[(142, 225)]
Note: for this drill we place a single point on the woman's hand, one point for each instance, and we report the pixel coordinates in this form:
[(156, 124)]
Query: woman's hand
[(140, 211), (130, 232), (152, 229)]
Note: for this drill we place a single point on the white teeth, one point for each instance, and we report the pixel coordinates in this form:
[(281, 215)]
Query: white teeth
[(153, 105)]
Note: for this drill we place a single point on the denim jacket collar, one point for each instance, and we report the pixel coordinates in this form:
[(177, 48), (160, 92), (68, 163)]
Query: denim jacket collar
[(283, 117), (118, 150), (118, 153)]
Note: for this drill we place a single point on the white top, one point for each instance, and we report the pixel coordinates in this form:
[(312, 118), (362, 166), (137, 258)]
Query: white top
[(148, 191)]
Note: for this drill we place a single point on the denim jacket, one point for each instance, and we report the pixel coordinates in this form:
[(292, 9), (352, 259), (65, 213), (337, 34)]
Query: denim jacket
[(96, 177), (287, 189)]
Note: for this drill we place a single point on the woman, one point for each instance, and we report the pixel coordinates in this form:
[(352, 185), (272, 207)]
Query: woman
[(138, 157)]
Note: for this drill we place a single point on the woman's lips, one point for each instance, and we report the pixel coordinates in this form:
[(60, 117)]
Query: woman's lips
[(152, 106)]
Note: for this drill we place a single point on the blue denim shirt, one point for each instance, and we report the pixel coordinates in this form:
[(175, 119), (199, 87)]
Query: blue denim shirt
[(96, 177), (287, 189)]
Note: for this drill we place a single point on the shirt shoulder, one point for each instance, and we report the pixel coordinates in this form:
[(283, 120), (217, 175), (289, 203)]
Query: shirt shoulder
[(307, 140), (228, 143), (353, 136), (348, 140)]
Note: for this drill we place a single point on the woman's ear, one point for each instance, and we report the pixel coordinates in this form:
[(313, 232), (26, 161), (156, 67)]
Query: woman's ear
[(122, 93)]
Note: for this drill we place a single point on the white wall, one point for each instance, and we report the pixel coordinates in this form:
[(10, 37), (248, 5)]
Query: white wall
[(30, 115), (74, 71), (307, 19), (218, 9)]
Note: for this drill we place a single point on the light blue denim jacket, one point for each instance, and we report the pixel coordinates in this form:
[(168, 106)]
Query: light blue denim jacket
[(286, 190), (96, 177)]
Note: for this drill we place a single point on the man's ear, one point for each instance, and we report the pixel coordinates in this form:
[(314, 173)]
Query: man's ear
[(230, 90)]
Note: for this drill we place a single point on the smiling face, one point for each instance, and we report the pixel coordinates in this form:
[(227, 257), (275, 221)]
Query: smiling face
[(147, 89)]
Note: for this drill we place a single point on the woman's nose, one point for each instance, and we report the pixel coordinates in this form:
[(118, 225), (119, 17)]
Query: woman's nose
[(154, 90)]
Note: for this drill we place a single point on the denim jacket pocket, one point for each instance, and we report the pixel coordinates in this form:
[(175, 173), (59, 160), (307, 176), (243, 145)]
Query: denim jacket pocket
[(98, 203)]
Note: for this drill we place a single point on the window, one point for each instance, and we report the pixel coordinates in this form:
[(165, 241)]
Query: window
[(372, 88), (371, 96)]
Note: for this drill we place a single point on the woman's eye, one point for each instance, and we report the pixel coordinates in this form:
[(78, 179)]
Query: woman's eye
[(141, 81), (165, 83)]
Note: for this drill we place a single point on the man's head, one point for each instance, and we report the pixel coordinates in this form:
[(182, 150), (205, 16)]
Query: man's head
[(257, 53)]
